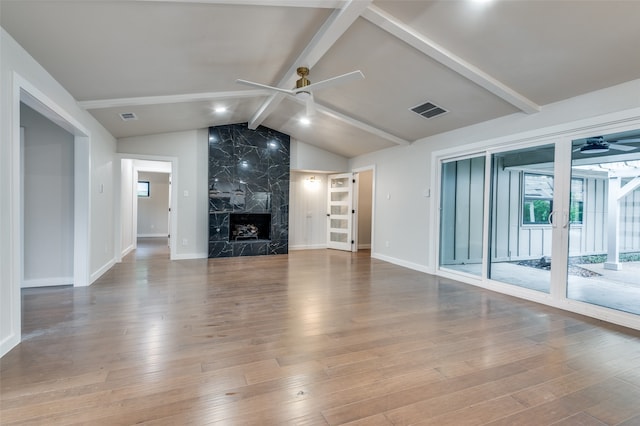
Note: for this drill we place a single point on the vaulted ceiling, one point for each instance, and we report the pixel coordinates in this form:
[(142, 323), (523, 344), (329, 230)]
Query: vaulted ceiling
[(171, 63)]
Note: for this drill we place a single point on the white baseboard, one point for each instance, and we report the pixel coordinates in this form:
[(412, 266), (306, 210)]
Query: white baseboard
[(308, 247), (187, 256), (47, 282), (165, 235), (127, 250), (100, 272), (400, 262), (364, 246), (9, 343)]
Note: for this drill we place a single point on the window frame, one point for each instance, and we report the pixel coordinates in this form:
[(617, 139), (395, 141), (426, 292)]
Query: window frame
[(572, 201), (148, 190), (524, 199)]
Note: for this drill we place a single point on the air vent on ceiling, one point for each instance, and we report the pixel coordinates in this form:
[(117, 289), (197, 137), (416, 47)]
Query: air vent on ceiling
[(428, 110), (128, 116)]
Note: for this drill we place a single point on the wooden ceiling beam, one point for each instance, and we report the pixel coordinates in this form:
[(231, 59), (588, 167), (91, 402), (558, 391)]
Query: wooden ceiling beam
[(332, 29), (402, 31)]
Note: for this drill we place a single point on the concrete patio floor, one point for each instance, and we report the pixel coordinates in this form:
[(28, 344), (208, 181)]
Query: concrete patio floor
[(618, 290)]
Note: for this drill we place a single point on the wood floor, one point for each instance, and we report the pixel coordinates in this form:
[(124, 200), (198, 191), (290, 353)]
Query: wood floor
[(311, 338)]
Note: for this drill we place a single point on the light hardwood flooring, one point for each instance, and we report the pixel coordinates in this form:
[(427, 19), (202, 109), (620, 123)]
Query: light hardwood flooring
[(316, 337)]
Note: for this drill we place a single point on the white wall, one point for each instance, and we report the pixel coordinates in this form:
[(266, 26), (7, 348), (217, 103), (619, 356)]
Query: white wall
[(191, 150), (94, 150), (307, 211), (127, 213), (305, 157), (404, 173), (190, 178), (48, 201), (153, 219)]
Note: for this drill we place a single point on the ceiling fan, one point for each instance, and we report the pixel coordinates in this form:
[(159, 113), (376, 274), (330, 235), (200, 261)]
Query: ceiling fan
[(598, 145), (304, 88)]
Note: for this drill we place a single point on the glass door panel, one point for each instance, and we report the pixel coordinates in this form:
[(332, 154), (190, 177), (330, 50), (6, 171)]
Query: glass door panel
[(461, 215), (521, 217), (604, 235)]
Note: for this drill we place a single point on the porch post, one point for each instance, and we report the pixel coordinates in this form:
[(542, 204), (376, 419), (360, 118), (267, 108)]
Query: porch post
[(613, 225)]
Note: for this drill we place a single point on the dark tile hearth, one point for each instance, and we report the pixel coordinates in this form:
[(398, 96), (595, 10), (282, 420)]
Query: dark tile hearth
[(248, 191)]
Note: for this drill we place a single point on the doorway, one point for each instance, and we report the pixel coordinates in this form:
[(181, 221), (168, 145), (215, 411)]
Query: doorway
[(25, 93), (47, 201), (350, 210), (364, 212), (147, 215), (604, 225), (153, 205)]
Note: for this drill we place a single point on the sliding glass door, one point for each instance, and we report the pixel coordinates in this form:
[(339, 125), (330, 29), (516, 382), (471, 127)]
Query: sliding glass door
[(604, 240), (557, 222), (522, 217), (461, 215)]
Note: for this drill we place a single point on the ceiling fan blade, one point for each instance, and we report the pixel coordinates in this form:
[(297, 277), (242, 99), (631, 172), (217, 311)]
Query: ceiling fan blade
[(264, 86), (344, 78), (619, 147), (631, 140), (311, 106)]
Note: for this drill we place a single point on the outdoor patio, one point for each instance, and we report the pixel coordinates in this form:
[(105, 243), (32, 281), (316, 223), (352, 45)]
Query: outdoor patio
[(618, 290)]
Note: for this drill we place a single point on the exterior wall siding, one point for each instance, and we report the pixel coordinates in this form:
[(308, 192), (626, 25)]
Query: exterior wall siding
[(512, 241)]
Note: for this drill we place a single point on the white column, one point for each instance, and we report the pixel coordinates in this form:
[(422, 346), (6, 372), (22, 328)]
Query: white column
[(613, 225)]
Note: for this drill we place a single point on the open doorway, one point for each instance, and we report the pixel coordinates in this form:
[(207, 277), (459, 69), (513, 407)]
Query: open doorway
[(147, 214), (25, 94), (364, 212), (154, 209), (47, 201)]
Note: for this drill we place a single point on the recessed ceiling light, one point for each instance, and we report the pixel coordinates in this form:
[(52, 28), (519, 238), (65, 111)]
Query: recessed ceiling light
[(220, 109), (305, 121)]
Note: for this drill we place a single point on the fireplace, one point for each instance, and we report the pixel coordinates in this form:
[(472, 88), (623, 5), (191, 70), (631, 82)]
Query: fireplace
[(249, 226), (248, 191)]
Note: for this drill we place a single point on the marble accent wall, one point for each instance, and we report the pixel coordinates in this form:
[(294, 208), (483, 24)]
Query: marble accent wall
[(248, 173)]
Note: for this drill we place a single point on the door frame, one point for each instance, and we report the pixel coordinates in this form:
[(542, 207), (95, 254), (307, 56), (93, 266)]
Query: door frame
[(23, 91), (371, 168), (173, 199), (354, 204)]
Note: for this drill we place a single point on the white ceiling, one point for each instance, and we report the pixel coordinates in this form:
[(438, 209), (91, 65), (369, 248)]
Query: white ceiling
[(172, 62)]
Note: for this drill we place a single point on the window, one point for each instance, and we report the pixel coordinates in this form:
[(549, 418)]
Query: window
[(577, 201), (537, 203), (143, 188)]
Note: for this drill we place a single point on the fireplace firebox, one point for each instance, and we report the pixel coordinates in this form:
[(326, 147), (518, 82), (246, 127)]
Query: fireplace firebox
[(249, 226)]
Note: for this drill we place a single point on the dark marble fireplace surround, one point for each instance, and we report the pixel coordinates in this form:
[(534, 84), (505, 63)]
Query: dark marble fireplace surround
[(248, 191)]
